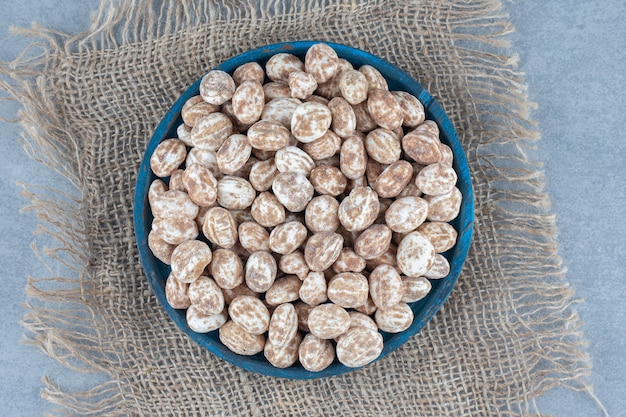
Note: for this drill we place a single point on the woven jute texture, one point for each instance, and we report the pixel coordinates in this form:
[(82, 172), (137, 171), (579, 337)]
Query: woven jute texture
[(90, 104)]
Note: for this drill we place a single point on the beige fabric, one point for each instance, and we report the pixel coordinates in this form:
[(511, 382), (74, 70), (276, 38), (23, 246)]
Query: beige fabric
[(91, 102)]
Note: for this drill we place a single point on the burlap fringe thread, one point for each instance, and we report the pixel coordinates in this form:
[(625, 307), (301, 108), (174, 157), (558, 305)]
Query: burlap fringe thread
[(63, 318)]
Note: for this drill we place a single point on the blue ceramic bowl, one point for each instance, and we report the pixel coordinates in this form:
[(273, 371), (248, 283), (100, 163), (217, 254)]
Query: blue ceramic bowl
[(425, 309)]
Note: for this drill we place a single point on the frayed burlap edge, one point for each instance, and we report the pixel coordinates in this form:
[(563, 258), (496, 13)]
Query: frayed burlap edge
[(546, 326)]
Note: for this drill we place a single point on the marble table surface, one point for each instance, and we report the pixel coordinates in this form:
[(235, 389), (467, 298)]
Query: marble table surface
[(573, 55)]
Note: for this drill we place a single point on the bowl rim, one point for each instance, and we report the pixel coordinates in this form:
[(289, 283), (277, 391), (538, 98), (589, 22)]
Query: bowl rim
[(436, 297)]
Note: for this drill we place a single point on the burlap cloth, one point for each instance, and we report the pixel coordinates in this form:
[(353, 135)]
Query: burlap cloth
[(90, 104)]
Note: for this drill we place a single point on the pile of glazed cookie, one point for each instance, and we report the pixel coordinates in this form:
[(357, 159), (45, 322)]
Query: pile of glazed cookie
[(301, 215)]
